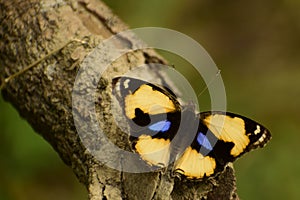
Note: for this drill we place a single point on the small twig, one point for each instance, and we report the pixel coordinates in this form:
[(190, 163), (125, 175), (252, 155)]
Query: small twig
[(38, 61)]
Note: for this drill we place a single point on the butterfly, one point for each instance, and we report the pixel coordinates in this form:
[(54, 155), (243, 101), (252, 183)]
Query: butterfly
[(163, 132)]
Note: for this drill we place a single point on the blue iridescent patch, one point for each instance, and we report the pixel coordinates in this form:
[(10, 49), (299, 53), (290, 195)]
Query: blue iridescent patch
[(160, 126), (203, 141)]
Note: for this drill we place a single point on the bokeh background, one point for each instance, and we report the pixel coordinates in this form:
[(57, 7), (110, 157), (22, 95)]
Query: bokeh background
[(256, 44)]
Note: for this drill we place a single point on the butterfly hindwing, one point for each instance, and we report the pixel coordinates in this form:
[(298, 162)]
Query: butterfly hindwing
[(153, 141)]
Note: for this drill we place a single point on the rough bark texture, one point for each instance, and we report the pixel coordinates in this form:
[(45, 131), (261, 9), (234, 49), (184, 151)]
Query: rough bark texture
[(31, 30)]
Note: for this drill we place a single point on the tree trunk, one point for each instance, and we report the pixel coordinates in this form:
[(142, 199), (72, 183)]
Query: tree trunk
[(44, 35)]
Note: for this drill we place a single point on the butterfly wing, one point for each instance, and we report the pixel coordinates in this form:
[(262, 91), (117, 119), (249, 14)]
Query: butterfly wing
[(153, 113), (221, 138), (242, 133)]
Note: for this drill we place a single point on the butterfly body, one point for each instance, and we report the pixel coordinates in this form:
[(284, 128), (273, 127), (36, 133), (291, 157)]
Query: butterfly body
[(197, 145)]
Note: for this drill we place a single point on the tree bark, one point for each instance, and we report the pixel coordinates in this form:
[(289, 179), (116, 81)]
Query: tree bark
[(44, 31)]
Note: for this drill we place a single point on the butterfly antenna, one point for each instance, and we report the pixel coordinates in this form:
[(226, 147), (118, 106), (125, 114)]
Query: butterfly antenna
[(210, 82)]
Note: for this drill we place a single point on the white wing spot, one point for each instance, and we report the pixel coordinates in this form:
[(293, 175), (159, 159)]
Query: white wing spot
[(126, 83), (261, 139), (257, 131)]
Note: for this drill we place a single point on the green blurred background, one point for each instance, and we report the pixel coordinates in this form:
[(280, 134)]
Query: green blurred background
[(256, 44)]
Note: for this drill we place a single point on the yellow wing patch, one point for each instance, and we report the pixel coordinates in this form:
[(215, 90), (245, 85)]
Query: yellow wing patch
[(194, 165), (155, 151), (229, 129), (149, 101)]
